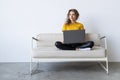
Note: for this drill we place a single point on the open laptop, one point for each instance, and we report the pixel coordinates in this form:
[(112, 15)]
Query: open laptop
[(74, 36)]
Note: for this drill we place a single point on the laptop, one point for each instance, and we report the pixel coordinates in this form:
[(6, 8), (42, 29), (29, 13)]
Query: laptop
[(74, 36)]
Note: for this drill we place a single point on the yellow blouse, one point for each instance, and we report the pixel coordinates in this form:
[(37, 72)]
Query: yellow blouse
[(73, 26)]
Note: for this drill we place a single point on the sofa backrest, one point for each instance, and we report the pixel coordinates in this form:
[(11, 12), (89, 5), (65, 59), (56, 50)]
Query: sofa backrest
[(49, 39)]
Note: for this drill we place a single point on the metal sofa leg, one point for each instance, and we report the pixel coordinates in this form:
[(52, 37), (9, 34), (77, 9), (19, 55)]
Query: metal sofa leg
[(105, 67), (31, 67)]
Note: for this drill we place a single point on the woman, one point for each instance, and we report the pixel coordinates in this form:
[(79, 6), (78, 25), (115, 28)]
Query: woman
[(72, 24)]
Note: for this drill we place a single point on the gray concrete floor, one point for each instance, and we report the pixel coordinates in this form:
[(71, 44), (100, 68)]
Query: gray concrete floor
[(59, 71)]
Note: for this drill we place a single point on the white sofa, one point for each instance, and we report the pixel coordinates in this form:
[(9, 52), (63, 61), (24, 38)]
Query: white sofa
[(44, 50)]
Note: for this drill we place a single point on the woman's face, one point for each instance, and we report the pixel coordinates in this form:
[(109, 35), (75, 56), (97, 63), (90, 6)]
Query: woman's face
[(72, 16)]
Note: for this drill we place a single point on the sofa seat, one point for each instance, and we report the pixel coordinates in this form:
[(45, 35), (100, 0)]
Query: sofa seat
[(53, 52)]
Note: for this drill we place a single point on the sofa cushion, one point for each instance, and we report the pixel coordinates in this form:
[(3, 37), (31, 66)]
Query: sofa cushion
[(53, 52)]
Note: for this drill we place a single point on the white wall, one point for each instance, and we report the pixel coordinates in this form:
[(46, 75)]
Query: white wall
[(22, 19)]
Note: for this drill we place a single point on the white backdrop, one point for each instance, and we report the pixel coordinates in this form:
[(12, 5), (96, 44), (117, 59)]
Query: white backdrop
[(22, 19)]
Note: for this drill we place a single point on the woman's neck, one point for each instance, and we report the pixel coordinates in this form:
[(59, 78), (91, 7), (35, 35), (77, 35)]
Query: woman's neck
[(73, 21)]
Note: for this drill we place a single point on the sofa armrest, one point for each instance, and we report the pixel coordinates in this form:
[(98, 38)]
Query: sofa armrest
[(104, 41), (102, 37), (35, 39), (33, 43)]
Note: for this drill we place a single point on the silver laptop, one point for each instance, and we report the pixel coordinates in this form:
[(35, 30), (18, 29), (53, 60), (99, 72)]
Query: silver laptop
[(74, 36)]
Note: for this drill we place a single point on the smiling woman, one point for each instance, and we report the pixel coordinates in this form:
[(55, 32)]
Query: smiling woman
[(72, 24)]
